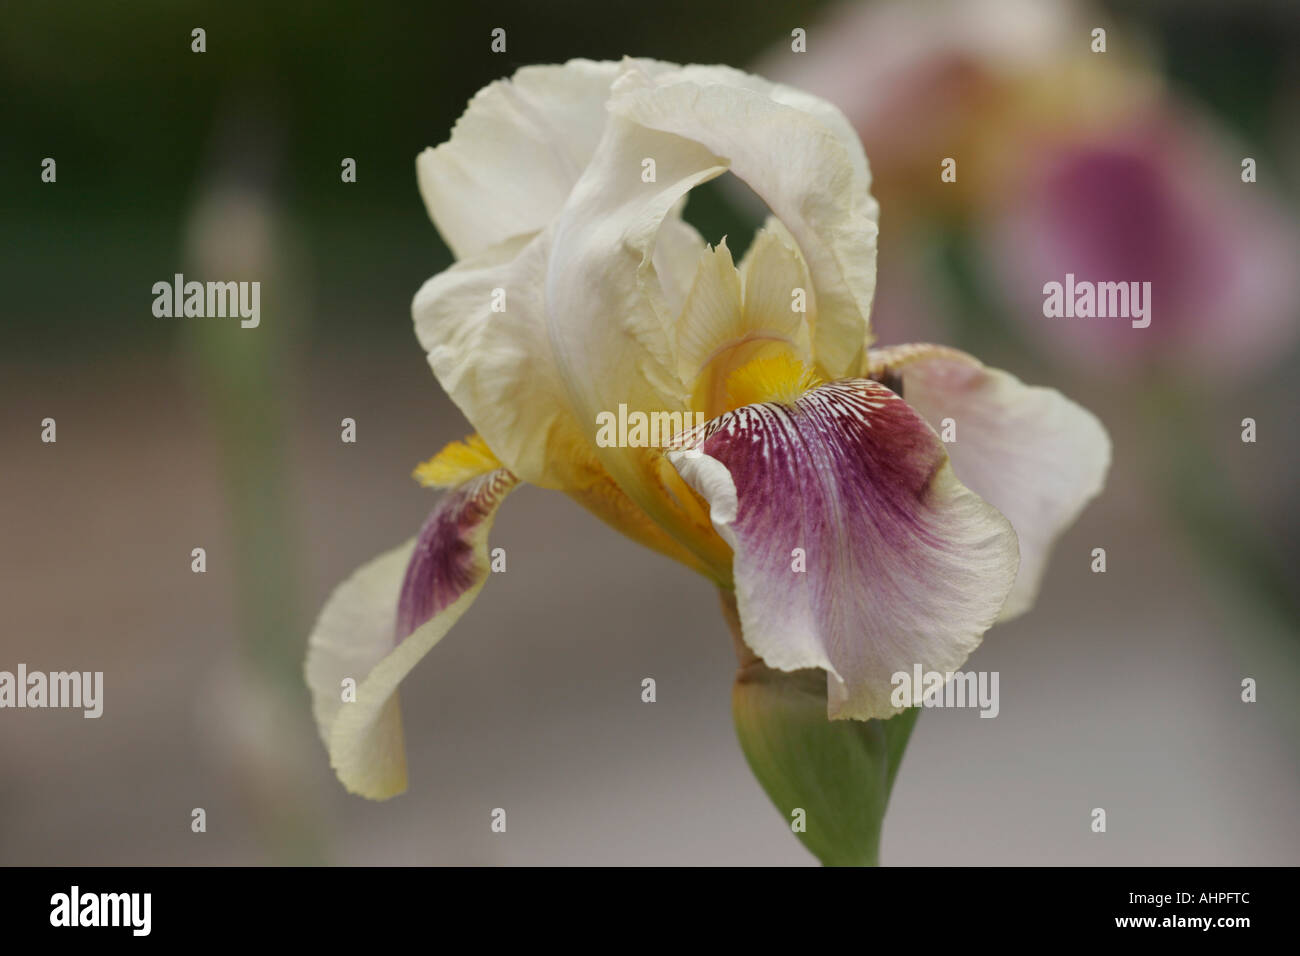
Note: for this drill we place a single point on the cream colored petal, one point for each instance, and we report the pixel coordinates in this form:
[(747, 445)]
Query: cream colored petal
[(678, 248), (800, 156), (482, 322), (735, 317), (826, 112), (517, 150), (497, 366), (354, 632), (778, 289), (610, 324), (712, 315), (1029, 451), (515, 153)]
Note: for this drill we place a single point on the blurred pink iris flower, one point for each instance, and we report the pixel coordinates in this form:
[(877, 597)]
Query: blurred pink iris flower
[(1069, 163), (1155, 199)]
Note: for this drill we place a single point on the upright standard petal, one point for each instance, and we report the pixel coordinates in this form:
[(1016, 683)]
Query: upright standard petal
[(734, 317), (816, 181), (380, 622), (678, 248), (856, 548), (712, 315), (777, 287), (515, 153), (1029, 451)]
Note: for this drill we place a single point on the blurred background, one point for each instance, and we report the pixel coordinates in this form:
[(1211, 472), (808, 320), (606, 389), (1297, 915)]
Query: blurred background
[(1119, 690)]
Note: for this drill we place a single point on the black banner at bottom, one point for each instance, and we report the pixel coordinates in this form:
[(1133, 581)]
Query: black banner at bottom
[(331, 905)]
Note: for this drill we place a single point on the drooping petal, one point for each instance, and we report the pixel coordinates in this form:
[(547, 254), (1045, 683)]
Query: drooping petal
[(903, 565), (1029, 451), (816, 182), (378, 624)]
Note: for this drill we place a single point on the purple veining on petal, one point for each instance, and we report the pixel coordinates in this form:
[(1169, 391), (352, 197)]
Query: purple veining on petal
[(446, 562), (867, 449), (900, 563)]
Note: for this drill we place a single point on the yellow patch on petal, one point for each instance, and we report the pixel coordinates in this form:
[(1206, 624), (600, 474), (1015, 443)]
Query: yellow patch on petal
[(594, 489), (457, 463), (773, 378), (734, 317)]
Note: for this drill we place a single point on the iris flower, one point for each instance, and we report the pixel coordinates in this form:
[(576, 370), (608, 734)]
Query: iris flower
[(845, 534)]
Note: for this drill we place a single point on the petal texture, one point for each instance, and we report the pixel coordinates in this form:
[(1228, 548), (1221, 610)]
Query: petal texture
[(773, 272), (903, 565), (515, 153)]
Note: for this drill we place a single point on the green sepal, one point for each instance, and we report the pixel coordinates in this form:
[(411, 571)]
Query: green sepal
[(839, 772)]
